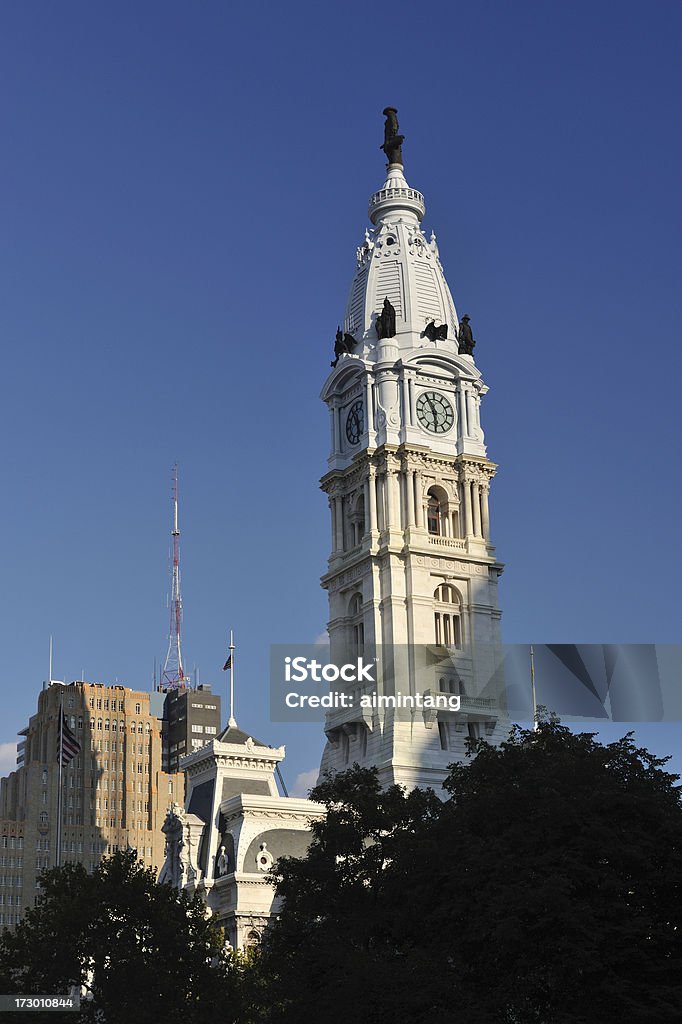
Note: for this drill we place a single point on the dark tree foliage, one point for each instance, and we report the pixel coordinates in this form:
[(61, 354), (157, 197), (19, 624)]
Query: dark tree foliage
[(147, 951), (546, 890)]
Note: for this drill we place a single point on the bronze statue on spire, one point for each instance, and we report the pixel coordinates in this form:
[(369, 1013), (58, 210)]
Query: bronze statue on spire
[(393, 142)]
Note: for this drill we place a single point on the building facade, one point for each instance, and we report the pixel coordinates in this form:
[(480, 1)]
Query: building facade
[(413, 576), (233, 827), (191, 719), (114, 793)]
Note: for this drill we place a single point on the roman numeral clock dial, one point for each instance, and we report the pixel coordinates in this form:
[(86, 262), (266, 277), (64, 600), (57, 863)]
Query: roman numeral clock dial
[(355, 423), (434, 412)]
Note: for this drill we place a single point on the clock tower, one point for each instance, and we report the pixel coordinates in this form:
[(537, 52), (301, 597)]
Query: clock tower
[(412, 575)]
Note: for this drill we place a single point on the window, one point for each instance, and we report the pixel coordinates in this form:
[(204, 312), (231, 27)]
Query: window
[(433, 514), (106, 705), (211, 729), (132, 727), (357, 635), (447, 616), (139, 727), (197, 728), (357, 522), (138, 709)]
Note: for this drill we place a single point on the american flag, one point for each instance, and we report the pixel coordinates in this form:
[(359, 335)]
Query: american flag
[(70, 747)]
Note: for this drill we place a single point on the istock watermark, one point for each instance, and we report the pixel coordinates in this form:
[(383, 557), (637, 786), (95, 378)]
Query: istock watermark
[(482, 682), (307, 684)]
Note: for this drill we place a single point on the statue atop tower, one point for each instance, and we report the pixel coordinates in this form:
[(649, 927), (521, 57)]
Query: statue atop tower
[(393, 142)]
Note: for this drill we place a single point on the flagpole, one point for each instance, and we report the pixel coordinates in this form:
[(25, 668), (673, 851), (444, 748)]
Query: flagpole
[(232, 720), (532, 683), (59, 783)]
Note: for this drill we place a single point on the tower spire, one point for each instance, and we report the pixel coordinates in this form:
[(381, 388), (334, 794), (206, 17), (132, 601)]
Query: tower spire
[(173, 675)]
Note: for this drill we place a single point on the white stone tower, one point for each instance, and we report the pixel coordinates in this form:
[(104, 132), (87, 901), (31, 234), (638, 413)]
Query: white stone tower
[(412, 571)]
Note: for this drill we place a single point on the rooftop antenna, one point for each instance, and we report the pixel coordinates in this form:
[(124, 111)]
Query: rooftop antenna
[(532, 683), (49, 670), (173, 675)]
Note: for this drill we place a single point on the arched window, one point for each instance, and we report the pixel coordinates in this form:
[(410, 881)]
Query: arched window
[(433, 514), (357, 623), (447, 616)]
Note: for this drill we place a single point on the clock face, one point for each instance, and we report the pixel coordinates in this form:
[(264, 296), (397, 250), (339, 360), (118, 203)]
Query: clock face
[(434, 412), (355, 423)]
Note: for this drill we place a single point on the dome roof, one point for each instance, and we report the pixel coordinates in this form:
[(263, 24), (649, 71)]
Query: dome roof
[(396, 261)]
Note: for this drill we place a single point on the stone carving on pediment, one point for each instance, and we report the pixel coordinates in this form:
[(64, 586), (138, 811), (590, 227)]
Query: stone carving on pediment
[(418, 246), (364, 251), (180, 866)]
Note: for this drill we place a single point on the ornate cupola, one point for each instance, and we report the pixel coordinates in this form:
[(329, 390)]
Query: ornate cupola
[(397, 261), (412, 563)]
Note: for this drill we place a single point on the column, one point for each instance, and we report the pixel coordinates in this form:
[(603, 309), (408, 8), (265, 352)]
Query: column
[(419, 507), (333, 416), (372, 501), (369, 406), (477, 509), (470, 415), (332, 509), (338, 505), (462, 411), (390, 499), (485, 512), (409, 497), (468, 522), (413, 413)]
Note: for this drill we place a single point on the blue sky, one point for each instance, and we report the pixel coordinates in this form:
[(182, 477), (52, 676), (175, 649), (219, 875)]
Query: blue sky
[(182, 188)]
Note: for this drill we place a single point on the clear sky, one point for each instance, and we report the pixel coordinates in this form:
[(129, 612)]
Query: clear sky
[(182, 189)]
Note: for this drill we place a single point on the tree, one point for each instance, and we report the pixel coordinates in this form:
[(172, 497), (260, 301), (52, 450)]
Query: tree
[(547, 888), (147, 951)]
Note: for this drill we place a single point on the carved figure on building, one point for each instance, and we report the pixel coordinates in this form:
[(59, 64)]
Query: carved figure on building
[(222, 863), (179, 867), (385, 322), (173, 827), (465, 337), (434, 333), (343, 345), (393, 142)]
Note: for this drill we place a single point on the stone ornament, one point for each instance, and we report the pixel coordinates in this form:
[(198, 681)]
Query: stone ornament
[(264, 859)]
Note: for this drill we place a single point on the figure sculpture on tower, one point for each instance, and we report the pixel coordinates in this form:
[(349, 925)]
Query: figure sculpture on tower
[(393, 142), (465, 337), (385, 322)]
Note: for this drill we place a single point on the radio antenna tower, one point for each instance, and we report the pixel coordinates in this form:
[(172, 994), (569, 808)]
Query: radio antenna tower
[(173, 675)]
